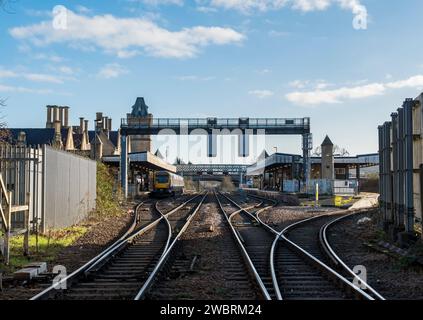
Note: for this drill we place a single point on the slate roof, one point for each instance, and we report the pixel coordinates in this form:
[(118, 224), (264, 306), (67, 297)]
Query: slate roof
[(139, 109), (327, 142), (34, 137)]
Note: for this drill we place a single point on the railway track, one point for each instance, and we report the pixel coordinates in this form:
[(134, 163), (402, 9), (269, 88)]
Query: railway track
[(290, 264), (337, 262), (254, 241), (126, 266), (207, 264)]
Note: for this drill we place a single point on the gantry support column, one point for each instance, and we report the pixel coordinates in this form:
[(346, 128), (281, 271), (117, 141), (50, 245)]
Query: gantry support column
[(124, 164), (211, 144), (244, 144)]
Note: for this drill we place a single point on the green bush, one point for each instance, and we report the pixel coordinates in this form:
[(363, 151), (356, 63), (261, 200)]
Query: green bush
[(109, 197)]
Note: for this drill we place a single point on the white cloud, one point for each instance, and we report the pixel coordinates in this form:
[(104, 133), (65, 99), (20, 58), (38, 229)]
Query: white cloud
[(7, 74), (82, 9), (5, 88), (66, 70), (126, 36), (206, 9), (335, 96), (261, 94), (412, 82), (276, 34), (112, 70), (264, 71), (299, 84), (339, 95), (248, 6), (39, 77), (159, 2), (51, 57), (194, 78), (34, 77)]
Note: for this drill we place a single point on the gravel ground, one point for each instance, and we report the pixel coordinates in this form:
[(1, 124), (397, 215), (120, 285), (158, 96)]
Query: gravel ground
[(101, 233), (281, 216), (387, 275)]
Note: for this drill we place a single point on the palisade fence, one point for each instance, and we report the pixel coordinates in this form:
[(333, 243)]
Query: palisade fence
[(401, 168), (43, 188)]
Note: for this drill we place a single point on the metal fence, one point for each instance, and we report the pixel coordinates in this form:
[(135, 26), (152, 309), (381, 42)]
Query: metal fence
[(327, 187), (400, 149), (59, 187), (70, 189), (21, 171)]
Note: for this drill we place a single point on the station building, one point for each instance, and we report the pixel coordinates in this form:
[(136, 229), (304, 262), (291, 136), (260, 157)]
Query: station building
[(334, 174)]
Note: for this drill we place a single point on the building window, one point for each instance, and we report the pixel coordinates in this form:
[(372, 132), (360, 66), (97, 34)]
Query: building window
[(340, 171)]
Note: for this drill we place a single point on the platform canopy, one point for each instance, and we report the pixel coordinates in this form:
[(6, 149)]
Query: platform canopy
[(145, 160), (281, 159)]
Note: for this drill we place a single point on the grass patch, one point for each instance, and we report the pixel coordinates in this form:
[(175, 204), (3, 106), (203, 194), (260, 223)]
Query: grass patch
[(49, 246)]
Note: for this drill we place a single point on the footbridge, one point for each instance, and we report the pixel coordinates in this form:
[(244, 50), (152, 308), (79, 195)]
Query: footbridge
[(213, 127)]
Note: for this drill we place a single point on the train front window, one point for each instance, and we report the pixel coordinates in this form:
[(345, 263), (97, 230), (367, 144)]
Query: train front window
[(162, 179)]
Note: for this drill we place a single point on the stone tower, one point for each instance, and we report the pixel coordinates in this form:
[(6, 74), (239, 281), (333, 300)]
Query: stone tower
[(328, 164), (140, 116)]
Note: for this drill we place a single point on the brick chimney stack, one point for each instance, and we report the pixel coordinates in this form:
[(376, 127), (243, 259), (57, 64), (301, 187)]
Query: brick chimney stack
[(55, 114), (49, 122), (81, 125), (109, 124), (66, 117), (61, 116), (99, 121), (57, 143)]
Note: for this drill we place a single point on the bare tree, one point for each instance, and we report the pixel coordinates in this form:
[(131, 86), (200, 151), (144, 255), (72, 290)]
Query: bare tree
[(4, 133), (340, 151), (337, 150)]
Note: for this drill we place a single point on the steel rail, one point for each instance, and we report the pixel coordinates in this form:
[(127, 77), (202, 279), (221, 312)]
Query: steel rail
[(337, 260), (138, 233), (280, 235), (244, 252), (107, 252), (323, 266), (272, 249), (168, 250)]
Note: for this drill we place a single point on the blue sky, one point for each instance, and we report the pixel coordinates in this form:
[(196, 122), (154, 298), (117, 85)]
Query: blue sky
[(224, 58)]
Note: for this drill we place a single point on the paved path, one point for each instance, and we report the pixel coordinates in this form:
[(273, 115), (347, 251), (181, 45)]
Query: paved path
[(368, 200)]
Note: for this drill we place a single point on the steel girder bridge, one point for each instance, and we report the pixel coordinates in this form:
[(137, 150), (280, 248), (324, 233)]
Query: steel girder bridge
[(206, 171), (212, 127)]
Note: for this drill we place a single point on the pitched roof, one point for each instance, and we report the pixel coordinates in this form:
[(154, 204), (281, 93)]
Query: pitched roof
[(327, 142), (139, 109), (34, 137), (113, 137)]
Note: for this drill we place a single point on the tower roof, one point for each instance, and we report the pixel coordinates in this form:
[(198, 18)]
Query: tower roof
[(139, 109), (327, 142)]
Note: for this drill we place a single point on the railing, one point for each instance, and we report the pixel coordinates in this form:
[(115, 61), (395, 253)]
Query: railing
[(217, 122), (194, 168), (6, 211)]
